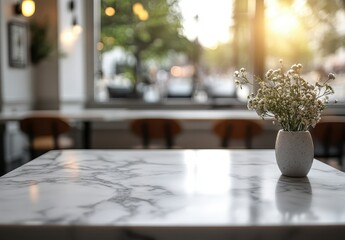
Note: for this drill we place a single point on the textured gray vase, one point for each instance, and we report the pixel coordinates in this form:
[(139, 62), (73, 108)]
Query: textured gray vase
[(294, 153)]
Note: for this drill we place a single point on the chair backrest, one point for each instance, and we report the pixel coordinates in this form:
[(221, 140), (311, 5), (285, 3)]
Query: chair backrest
[(329, 135), (44, 126), (156, 128), (242, 129)]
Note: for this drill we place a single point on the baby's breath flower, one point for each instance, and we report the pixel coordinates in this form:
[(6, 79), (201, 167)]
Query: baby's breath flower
[(290, 72), (293, 103), (269, 73), (331, 76), (294, 67)]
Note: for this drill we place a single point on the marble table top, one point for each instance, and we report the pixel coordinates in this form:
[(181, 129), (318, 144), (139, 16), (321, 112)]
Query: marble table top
[(169, 194)]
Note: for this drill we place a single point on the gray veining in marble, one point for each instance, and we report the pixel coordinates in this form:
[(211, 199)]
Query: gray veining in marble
[(169, 188)]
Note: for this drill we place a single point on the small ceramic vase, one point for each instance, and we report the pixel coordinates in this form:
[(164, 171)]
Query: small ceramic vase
[(294, 153)]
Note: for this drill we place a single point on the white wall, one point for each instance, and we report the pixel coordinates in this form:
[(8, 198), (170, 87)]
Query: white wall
[(72, 66), (59, 80), (16, 83), (51, 84), (16, 90)]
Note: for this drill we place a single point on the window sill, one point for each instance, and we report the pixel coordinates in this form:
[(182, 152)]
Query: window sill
[(178, 103)]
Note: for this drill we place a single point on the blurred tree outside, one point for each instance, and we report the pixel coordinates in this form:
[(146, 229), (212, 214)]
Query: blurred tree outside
[(149, 29), (303, 31), (296, 31), (326, 21), (218, 60), (235, 53)]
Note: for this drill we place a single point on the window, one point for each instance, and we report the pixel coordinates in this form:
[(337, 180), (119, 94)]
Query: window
[(311, 33), (163, 51)]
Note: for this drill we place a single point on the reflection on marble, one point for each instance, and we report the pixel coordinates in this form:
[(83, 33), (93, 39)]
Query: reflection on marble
[(128, 194), (294, 197)]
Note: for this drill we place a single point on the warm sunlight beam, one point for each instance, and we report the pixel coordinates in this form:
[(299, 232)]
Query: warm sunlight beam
[(211, 27), (281, 20)]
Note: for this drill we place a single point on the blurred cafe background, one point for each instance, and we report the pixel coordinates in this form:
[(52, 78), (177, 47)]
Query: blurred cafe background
[(144, 55)]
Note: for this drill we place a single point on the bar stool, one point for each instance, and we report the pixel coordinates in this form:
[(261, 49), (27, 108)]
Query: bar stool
[(237, 129), (45, 132), (155, 128), (329, 140)]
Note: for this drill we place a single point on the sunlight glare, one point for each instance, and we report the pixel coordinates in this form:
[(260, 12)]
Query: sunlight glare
[(34, 192), (213, 22), (281, 20), (204, 176), (71, 164)]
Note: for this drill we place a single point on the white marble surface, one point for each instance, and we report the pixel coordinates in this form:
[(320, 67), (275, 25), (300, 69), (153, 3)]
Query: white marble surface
[(169, 194)]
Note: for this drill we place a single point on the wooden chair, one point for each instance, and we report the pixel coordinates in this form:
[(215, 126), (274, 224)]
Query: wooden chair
[(45, 133), (329, 140), (237, 129), (149, 129)]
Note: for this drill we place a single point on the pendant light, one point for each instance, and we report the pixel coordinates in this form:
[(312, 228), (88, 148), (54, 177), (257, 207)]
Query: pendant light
[(28, 8)]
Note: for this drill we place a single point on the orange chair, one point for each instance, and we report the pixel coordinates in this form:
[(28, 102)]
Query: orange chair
[(239, 129), (45, 133), (149, 129)]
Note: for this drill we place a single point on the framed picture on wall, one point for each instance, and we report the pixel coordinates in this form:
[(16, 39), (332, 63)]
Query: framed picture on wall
[(17, 44)]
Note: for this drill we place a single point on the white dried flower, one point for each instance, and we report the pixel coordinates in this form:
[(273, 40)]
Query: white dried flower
[(331, 76), (293, 102)]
